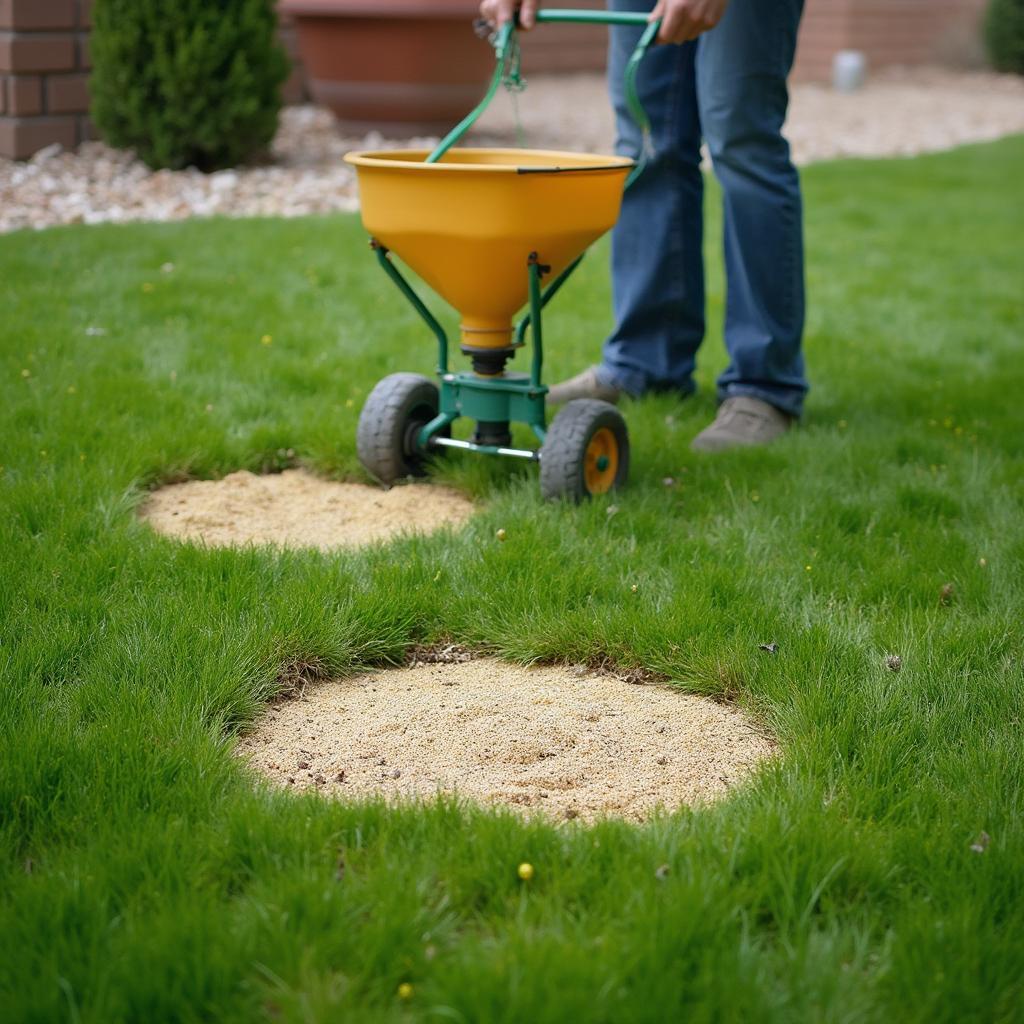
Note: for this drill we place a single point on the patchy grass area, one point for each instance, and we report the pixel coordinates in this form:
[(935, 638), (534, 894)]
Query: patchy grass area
[(142, 877)]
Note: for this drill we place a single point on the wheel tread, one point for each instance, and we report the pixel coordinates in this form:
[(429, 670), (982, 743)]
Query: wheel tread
[(382, 423), (562, 454)]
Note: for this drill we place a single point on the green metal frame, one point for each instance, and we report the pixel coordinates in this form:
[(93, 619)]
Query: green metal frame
[(513, 397)]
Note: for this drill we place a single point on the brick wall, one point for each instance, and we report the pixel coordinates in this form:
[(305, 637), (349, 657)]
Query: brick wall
[(44, 71), (44, 54), (906, 32), (889, 32), (44, 74)]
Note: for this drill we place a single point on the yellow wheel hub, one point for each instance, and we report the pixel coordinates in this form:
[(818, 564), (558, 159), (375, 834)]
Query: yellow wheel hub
[(601, 461)]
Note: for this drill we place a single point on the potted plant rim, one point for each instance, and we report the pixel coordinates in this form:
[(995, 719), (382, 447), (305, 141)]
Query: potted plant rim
[(400, 66)]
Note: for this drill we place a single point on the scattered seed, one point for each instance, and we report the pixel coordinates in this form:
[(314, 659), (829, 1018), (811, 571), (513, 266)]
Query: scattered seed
[(405, 991), (397, 773), (662, 760)]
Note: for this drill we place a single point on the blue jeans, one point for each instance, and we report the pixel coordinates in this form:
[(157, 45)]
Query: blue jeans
[(728, 88)]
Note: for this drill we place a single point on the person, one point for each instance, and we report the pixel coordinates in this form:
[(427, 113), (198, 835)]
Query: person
[(720, 79)]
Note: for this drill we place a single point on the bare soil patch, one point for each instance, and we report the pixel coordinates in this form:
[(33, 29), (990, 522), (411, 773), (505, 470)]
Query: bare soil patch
[(298, 509), (562, 742)]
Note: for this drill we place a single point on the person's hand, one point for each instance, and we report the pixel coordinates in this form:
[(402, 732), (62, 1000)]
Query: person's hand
[(682, 20), (499, 12)]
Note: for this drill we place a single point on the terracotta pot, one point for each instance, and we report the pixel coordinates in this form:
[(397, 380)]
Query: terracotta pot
[(395, 65)]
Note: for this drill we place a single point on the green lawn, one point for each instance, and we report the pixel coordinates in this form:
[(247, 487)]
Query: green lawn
[(145, 877)]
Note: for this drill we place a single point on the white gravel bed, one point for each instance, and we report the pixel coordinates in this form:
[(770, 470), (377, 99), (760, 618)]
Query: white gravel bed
[(896, 114)]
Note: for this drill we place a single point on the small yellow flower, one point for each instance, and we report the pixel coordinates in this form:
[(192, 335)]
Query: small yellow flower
[(501, 535), (807, 568), (948, 422), (634, 588), (405, 990), (349, 403), (267, 339), (81, 458), (983, 562), (525, 871), (26, 373)]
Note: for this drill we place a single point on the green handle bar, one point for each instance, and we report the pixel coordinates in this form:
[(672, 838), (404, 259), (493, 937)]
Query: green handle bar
[(505, 38)]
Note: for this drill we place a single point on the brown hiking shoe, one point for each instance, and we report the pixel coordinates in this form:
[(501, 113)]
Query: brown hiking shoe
[(742, 420), (584, 385)]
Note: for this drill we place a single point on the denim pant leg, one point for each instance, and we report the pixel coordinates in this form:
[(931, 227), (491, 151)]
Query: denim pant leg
[(742, 66), (657, 268)]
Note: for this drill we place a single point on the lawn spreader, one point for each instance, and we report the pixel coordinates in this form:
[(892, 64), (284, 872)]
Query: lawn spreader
[(492, 230)]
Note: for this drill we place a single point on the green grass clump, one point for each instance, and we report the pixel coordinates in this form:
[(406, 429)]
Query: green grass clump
[(143, 876)]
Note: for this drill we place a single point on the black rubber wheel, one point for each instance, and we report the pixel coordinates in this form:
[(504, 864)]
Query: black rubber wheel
[(586, 451), (392, 416)]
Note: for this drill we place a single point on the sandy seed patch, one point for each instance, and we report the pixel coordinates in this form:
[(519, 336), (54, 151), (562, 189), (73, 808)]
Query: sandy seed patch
[(561, 742), (298, 509)]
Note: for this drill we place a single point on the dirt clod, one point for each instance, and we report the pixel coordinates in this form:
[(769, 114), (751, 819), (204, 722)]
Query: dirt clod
[(540, 740)]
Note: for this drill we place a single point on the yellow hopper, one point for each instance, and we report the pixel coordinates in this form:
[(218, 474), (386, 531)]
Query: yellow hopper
[(468, 225)]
